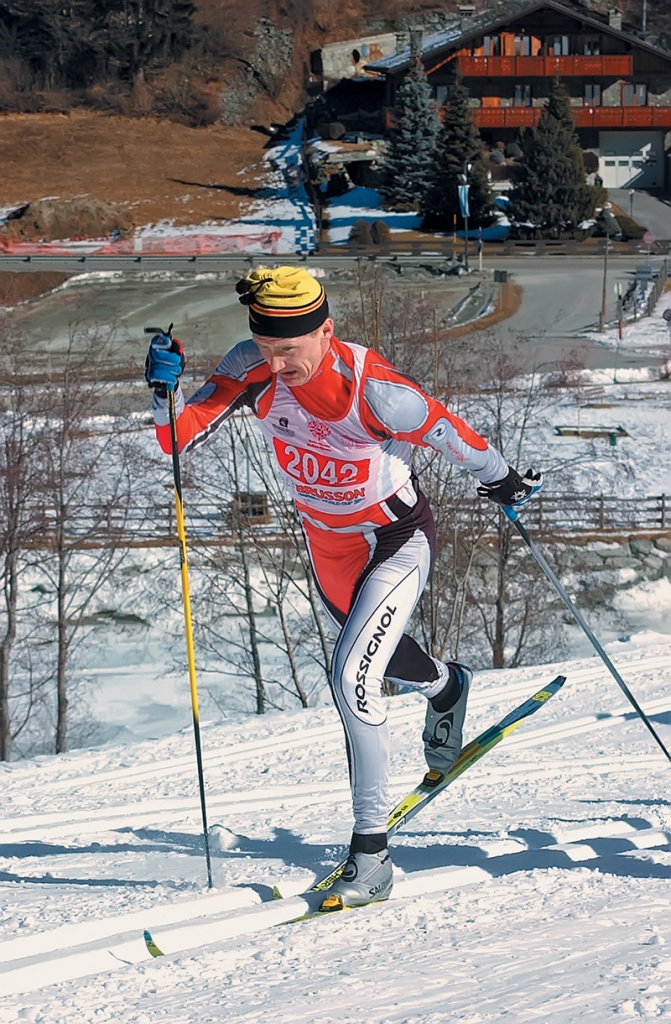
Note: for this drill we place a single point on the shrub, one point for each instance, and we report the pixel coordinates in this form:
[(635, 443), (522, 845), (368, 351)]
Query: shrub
[(360, 234), (182, 99), (591, 161), (380, 232), (630, 229)]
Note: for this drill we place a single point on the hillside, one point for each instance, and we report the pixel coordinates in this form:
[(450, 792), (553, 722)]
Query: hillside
[(248, 66), (156, 169), (535, 887)]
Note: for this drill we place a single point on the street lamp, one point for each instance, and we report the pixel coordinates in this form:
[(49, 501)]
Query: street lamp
[(632, 193), (602, 315), (465, 211)]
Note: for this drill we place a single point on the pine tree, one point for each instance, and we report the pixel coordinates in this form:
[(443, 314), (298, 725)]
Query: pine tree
[(459, 145), (550, 196), (412, 149)]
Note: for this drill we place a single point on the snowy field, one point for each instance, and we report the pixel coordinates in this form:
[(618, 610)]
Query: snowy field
[(536, 889)]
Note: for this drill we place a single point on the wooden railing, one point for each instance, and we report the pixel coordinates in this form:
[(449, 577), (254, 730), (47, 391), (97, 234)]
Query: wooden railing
[(546, 67), (584, 117), (209, 524)]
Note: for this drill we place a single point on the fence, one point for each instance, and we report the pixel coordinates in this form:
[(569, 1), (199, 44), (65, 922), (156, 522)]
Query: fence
[(450, 249), (658, 286), (210, 524)]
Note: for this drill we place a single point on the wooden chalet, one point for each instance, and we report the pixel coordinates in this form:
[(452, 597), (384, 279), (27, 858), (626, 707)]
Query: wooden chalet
[(619, 85)]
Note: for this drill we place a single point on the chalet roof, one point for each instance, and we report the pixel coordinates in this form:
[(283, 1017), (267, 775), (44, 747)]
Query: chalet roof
[(454, 36)]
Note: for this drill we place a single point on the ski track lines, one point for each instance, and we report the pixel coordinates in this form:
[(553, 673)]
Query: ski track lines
[(328, 735), (67, 953), (52, 825)]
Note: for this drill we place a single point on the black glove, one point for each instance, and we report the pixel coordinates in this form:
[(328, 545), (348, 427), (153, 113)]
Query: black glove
[(513, 489), (164, 364)]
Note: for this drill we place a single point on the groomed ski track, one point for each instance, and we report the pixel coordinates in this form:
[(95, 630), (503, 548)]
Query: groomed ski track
[(587, 732), (60, 956)]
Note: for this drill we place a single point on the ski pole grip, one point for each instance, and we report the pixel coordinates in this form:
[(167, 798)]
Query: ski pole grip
[(510, 512), (161, 341)]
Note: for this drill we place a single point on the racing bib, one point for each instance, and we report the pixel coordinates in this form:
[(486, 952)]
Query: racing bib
[(317, 469)]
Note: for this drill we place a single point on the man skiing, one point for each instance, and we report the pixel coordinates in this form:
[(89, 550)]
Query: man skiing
[(342, 422)]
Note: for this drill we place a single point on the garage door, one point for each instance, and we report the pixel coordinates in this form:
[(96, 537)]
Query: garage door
[(631, 159)]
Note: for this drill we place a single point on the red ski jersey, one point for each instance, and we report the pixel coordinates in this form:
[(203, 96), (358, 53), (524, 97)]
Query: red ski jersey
[(343, 441)]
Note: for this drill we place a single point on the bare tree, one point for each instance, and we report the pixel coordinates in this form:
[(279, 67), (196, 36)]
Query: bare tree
[(85, 485), (500, 599), (254, 595), (20, 445)]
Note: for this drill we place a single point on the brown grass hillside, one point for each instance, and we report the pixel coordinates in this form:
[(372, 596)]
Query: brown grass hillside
[(153, 169)]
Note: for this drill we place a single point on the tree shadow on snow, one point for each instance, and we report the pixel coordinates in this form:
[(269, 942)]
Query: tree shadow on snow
[(606, 857)]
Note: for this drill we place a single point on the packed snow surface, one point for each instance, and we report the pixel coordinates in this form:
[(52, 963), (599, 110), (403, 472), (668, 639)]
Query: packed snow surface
[(536, 888)]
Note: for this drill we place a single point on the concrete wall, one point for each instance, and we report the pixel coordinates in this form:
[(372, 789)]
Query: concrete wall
[(348, 58)]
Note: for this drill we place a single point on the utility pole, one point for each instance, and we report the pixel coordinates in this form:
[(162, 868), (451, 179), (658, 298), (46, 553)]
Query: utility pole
[(602, 315), (465, 211)]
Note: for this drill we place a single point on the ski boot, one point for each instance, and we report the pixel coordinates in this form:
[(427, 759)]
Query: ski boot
[(444, 721), (366, 878)]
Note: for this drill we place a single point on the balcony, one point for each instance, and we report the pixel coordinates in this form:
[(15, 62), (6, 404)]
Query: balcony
[(546, 67), (584, 117)]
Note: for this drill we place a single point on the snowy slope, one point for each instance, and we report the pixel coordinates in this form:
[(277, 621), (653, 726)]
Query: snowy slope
[(535, 889)]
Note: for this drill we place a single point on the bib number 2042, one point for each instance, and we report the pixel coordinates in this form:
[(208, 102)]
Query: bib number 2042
[(314, 468)]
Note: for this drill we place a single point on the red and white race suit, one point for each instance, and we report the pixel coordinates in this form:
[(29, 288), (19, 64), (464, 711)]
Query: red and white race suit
[(343, 442)]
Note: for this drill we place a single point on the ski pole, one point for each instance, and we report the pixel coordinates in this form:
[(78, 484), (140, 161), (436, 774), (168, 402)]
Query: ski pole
[(511, 513), (186, 601)]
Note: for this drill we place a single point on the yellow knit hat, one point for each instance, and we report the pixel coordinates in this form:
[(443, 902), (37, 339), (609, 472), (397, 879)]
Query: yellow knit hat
[(284, 302)]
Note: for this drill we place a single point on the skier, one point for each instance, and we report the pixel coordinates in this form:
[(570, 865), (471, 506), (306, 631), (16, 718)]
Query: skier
[(342, 422)]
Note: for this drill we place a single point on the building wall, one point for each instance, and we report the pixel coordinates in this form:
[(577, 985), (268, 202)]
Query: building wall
[(348, 58)]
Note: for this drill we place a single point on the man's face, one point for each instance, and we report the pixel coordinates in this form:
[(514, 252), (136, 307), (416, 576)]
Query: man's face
[(296, 359)]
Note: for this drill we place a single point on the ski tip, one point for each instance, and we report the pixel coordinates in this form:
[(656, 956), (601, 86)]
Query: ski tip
[(151, 945), (277, 895), (549, 689)]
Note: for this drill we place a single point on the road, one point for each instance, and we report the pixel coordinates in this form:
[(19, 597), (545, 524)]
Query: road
[(651, 209), (562, 301)]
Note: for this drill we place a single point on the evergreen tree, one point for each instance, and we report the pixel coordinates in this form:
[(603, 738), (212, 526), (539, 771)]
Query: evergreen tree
[(412, 151), (550, 196), (459, 145)]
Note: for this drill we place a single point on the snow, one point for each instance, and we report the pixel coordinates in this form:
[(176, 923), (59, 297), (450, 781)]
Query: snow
[(538, 885), (363, 204), (651, 335)]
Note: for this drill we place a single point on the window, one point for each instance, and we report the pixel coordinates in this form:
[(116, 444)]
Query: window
[(522, 97), (634, 95), (522, 46), (441, 94), (492, 46), (559, 46), (592, 95), (592, 46), (249, 507)]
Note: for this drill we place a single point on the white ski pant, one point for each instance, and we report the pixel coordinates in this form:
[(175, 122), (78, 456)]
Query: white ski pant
[(373, 645)]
